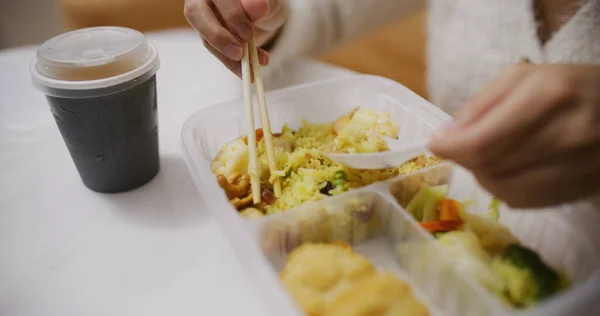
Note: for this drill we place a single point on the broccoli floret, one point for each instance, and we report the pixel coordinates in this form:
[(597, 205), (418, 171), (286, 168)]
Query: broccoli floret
[(528, 279)]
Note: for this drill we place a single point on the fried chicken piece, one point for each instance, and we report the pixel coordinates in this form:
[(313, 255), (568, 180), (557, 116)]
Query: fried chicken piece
[(241, 203), (237, 188), (332, 280), (316, 273), (379, 294)]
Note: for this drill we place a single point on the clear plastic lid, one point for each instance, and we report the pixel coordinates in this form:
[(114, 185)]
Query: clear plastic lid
[(93, 58), (92, 53)]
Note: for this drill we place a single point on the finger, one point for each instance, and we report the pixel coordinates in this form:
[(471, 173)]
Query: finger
[(558, 134), (202, 17), (257, 9), (476, 107), (236, 20), (544, 148), (263, 57), (562, 180), (533, 145), (232, 65), (235, 66), (489, 96), (502, 126), (530, 109)]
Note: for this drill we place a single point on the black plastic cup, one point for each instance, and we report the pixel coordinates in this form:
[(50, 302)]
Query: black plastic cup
[(101, 87)]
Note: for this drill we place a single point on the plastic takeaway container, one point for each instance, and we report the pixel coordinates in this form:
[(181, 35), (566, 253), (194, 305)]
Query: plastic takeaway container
[(373, 219)]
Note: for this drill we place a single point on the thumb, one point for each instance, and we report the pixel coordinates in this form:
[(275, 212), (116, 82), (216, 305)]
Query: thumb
[(256, 9)]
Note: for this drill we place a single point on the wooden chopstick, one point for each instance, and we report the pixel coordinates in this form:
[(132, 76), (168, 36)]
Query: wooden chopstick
[(251, 66), (252, 164), (264, 117)]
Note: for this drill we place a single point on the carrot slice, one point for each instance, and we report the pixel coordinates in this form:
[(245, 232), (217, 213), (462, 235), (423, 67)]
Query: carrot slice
[(441, 226), (449, 210)]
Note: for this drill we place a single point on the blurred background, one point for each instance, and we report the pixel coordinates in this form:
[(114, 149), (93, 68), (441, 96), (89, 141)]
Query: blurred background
[(30, 22)]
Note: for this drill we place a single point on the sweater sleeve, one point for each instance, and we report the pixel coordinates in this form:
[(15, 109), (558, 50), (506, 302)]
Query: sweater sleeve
[(316, 25)]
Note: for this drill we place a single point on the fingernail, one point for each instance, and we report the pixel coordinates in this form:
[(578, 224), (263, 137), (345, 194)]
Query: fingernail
[(233, 51), (263, 59), (245, 32)]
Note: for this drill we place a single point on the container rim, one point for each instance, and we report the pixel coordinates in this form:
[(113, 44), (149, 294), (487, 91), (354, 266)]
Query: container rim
[(97, 87), (437, 112)]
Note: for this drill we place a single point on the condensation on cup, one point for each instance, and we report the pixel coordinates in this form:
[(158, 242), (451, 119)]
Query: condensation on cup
[(100, 83)]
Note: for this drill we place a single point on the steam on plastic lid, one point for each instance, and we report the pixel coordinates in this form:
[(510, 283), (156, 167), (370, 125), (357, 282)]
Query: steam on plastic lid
[(92, 53)]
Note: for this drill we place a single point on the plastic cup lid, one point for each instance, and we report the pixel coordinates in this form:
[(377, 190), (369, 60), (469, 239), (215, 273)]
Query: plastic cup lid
[(93, 58)]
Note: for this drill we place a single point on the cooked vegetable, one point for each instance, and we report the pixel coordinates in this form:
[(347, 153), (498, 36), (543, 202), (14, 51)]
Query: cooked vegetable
[(424, 206), (340, 174), (485, 248), (338, 182), (494, 208), (528, 279), (439, 234), (494, 236), (471, 258), (441, 226), (449, 210), (469, 202)]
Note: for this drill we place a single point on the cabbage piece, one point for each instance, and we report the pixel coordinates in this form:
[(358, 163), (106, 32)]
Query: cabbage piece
[(494, 237), (472, 258), (424, 205), (494, 208)]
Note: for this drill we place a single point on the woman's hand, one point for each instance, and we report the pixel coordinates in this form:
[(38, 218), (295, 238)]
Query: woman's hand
[(225, 25), (531, 137)]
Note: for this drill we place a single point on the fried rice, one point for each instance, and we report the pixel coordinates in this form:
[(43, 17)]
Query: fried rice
[(305, 171)]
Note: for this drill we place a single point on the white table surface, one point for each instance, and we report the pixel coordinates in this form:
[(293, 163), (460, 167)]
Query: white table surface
[(65, 250)]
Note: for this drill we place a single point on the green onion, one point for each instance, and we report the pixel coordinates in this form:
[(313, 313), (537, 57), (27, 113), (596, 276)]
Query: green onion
[(340, 174), (338, 182)]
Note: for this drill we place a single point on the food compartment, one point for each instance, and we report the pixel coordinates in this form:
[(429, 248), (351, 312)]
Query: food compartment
[(207, 131), (320, 102), (376, 228), (560, 246)]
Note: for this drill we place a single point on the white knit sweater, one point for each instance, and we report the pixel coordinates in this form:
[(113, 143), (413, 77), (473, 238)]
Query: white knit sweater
[(469, 42)]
